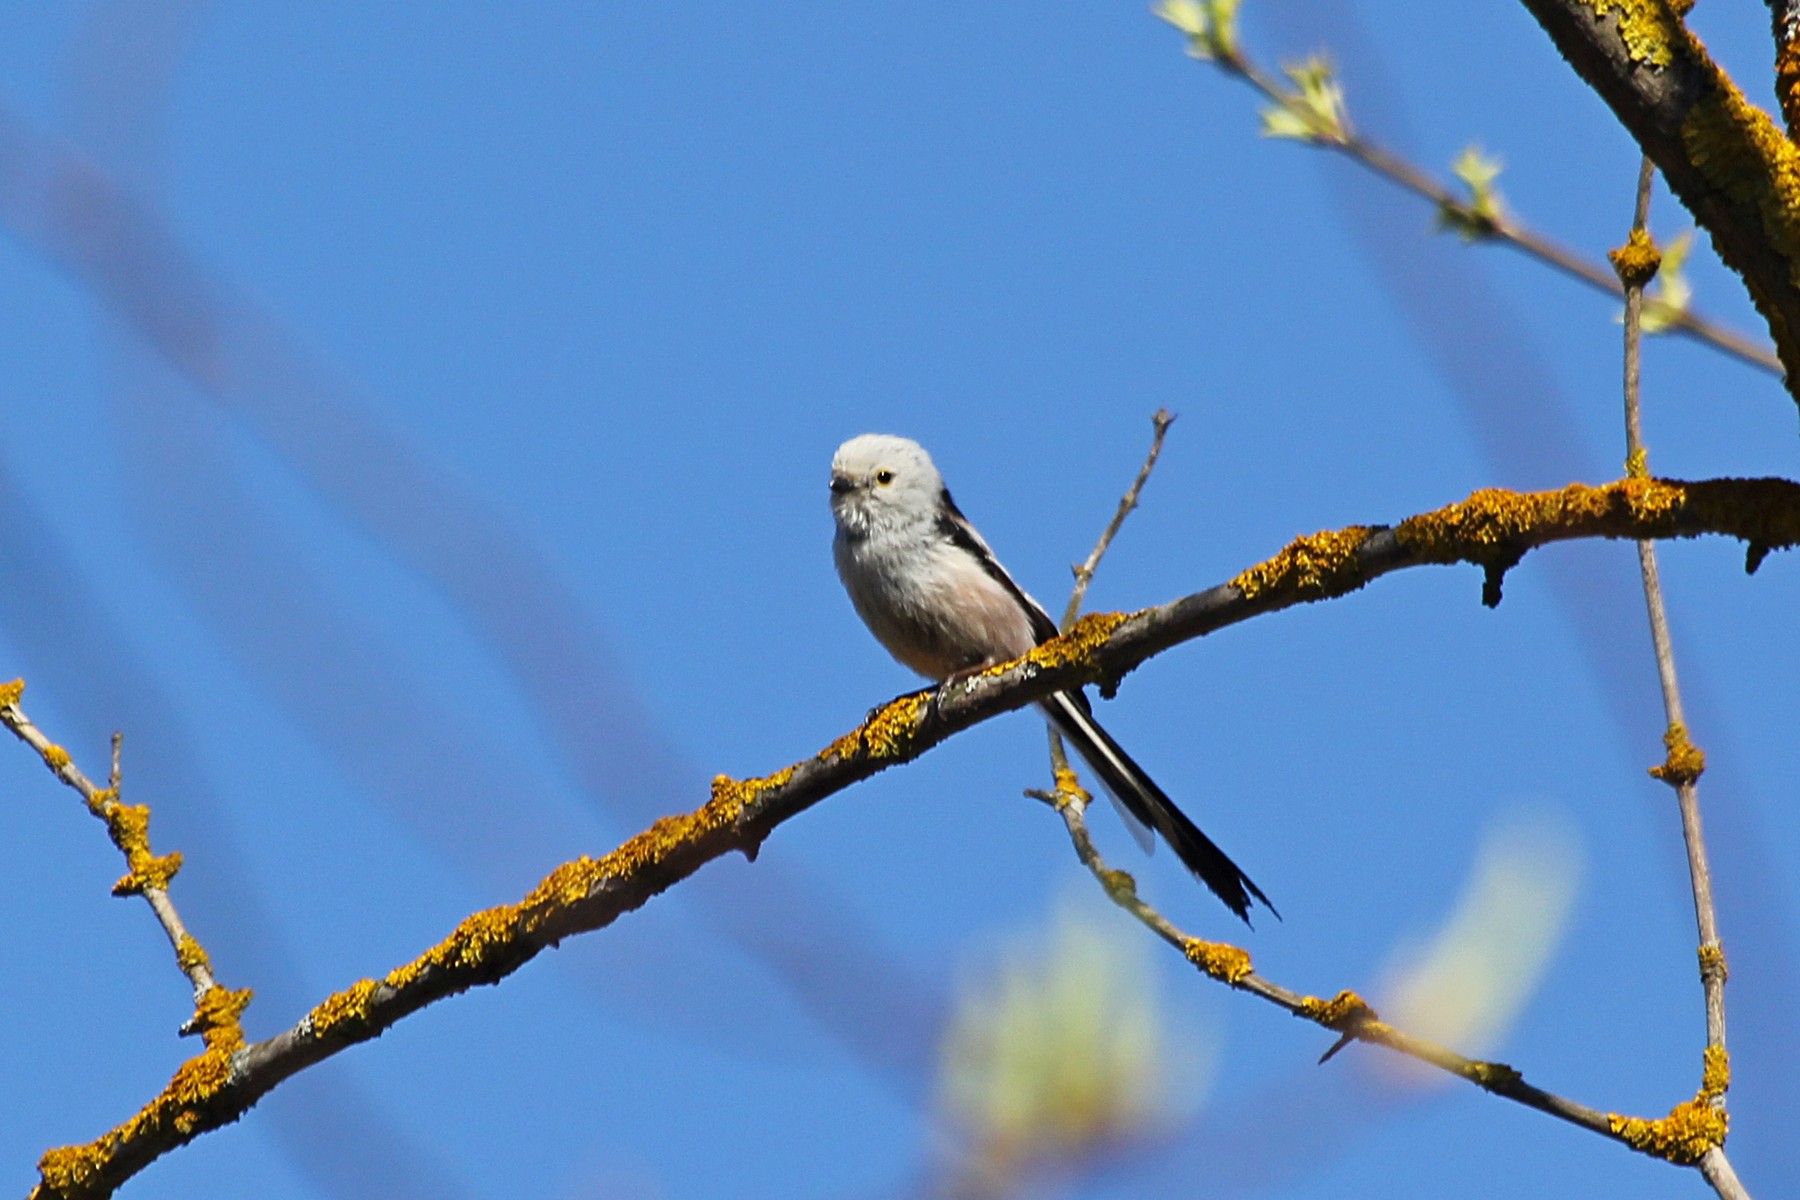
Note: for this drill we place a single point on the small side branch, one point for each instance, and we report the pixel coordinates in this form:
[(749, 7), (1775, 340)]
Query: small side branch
[(1084, 574), (1346, 1014), (1479, 221), (147, 874)]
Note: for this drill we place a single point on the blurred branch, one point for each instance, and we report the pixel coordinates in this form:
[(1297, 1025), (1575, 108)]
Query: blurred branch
[(1312, 111), (1723, 157), (1493, 529), (1636, 262)]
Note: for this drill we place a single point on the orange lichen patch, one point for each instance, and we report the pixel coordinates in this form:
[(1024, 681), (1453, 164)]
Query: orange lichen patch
[(129, 827), (1069, 789), (73, 1170), (1492, 524), (11, 693), (1648, 28), (498, 937), (348, 1007), (1637, 261), (1492, 1075), (1712, 962), (1685, 761), (1312, 568), (217, 1013), (732, 796), (1223, 962), (55, 757), (1637, 463), (1344, 1012), (191, 956), (1715, 1073), (1082, 641), (887, 734), (1692, 1127)]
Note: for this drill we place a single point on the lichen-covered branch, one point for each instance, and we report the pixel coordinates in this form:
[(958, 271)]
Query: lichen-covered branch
[(1727, 160), (128, 825), (1345, 1014), (1492, 529), (1699, 1127)]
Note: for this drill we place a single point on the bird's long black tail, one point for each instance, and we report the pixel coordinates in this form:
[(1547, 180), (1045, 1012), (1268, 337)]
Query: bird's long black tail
[(1140, 797)]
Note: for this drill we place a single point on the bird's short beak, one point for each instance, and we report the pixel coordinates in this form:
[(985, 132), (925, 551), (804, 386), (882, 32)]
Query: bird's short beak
[(839, 485)]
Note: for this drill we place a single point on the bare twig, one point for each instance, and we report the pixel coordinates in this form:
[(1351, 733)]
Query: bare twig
[(1084, 574), (1636, 262), (1502, 227), (1492, 529)]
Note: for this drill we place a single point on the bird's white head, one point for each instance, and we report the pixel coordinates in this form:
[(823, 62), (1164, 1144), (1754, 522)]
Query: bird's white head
[(882, 481)]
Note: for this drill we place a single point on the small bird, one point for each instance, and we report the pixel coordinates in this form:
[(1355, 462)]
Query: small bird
[(931, 591)]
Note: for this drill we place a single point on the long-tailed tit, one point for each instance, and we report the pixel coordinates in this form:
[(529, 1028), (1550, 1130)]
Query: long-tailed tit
[(932, 592)]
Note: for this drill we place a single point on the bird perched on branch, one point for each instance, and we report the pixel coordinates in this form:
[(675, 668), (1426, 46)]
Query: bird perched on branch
[(931, 591)]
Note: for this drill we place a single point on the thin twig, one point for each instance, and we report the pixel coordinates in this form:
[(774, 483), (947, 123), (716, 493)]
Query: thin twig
[(1397, 170), (129, 827), (1683, 764), (1084, 574), (1347, 1015)]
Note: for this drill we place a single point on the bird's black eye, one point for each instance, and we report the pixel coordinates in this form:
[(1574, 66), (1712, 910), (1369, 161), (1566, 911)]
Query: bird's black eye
[(884, 477)]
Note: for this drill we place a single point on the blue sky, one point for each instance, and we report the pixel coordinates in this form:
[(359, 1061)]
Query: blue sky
[(417, 420)]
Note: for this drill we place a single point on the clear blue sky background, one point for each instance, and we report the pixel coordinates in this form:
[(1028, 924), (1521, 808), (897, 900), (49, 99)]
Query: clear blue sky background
[(416, 419)]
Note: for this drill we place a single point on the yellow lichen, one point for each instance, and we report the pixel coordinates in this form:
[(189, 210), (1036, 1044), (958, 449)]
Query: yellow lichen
[(11, 693), (1740, 152), (1069, 789), (1080, 642), (191, 956), (1712, 962), (1223, 962), (1685, 761), (1648, 28), (1637, 463), (217, 1013), (55, 757), (1715, 1073), (129, 827), (1692, 1127), (1344, 1012), (1312, 568), (350, 1006), (887, 734), (731, 797), (1637, 261)]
